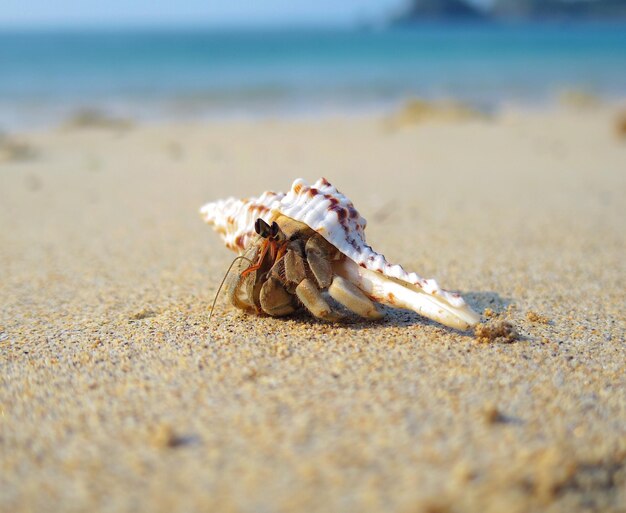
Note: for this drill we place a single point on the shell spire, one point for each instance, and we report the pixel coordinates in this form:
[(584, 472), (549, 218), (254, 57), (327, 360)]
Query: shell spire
[(331, 214), (234, 219)]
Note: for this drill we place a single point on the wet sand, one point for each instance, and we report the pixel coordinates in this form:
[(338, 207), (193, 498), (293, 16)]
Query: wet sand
[(117, 395)]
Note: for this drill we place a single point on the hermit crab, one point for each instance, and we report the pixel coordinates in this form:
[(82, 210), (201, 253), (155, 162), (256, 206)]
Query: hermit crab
[(307, 248)]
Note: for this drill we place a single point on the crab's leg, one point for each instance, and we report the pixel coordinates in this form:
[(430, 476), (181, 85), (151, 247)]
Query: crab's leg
[(317, 256), (267, 244), (274, 299), (314, 302), (353, 299), (398, 294)]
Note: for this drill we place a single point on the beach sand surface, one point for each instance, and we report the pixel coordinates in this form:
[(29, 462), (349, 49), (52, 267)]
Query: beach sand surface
[(117, 395)]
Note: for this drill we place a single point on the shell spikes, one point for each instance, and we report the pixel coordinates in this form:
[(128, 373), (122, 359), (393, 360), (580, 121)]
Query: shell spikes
[(332, 215)]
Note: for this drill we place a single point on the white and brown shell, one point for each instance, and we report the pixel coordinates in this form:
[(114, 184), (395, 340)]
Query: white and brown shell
[(331, 214)]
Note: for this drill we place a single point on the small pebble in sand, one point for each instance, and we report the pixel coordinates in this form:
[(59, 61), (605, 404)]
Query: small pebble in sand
[(489, 313), (495, 331), (492, 414), (535, 317), (142, 314), (163, 437)]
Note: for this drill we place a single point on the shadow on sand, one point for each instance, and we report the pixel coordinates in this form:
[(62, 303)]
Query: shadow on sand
[(397, 317), (479, 301)]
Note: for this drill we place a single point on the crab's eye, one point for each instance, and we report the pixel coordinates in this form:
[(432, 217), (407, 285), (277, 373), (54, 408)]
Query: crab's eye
[(262, 228), (274, 230)]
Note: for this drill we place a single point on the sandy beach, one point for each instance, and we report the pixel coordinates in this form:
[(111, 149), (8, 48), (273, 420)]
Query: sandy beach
[(117, 395)]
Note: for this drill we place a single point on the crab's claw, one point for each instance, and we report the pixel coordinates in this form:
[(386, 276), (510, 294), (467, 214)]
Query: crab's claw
[(399, 294)]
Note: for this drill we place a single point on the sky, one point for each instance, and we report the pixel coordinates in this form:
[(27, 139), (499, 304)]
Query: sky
[(51, 13)]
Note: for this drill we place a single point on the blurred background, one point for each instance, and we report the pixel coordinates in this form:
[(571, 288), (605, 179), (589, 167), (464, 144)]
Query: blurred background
[(195, 59)]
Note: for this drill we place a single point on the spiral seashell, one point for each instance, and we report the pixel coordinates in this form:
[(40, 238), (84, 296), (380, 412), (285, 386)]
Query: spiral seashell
[(333, 215)]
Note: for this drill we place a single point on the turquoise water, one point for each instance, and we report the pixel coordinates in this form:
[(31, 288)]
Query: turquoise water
[(168, 73)]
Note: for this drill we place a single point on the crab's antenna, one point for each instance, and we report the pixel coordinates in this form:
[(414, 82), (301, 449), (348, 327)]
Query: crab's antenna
[(241, 257)]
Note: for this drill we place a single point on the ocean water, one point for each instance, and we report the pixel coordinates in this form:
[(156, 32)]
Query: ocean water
[(163, 74)]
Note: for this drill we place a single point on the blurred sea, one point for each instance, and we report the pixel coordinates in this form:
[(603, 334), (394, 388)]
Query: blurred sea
[(165, 74)]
